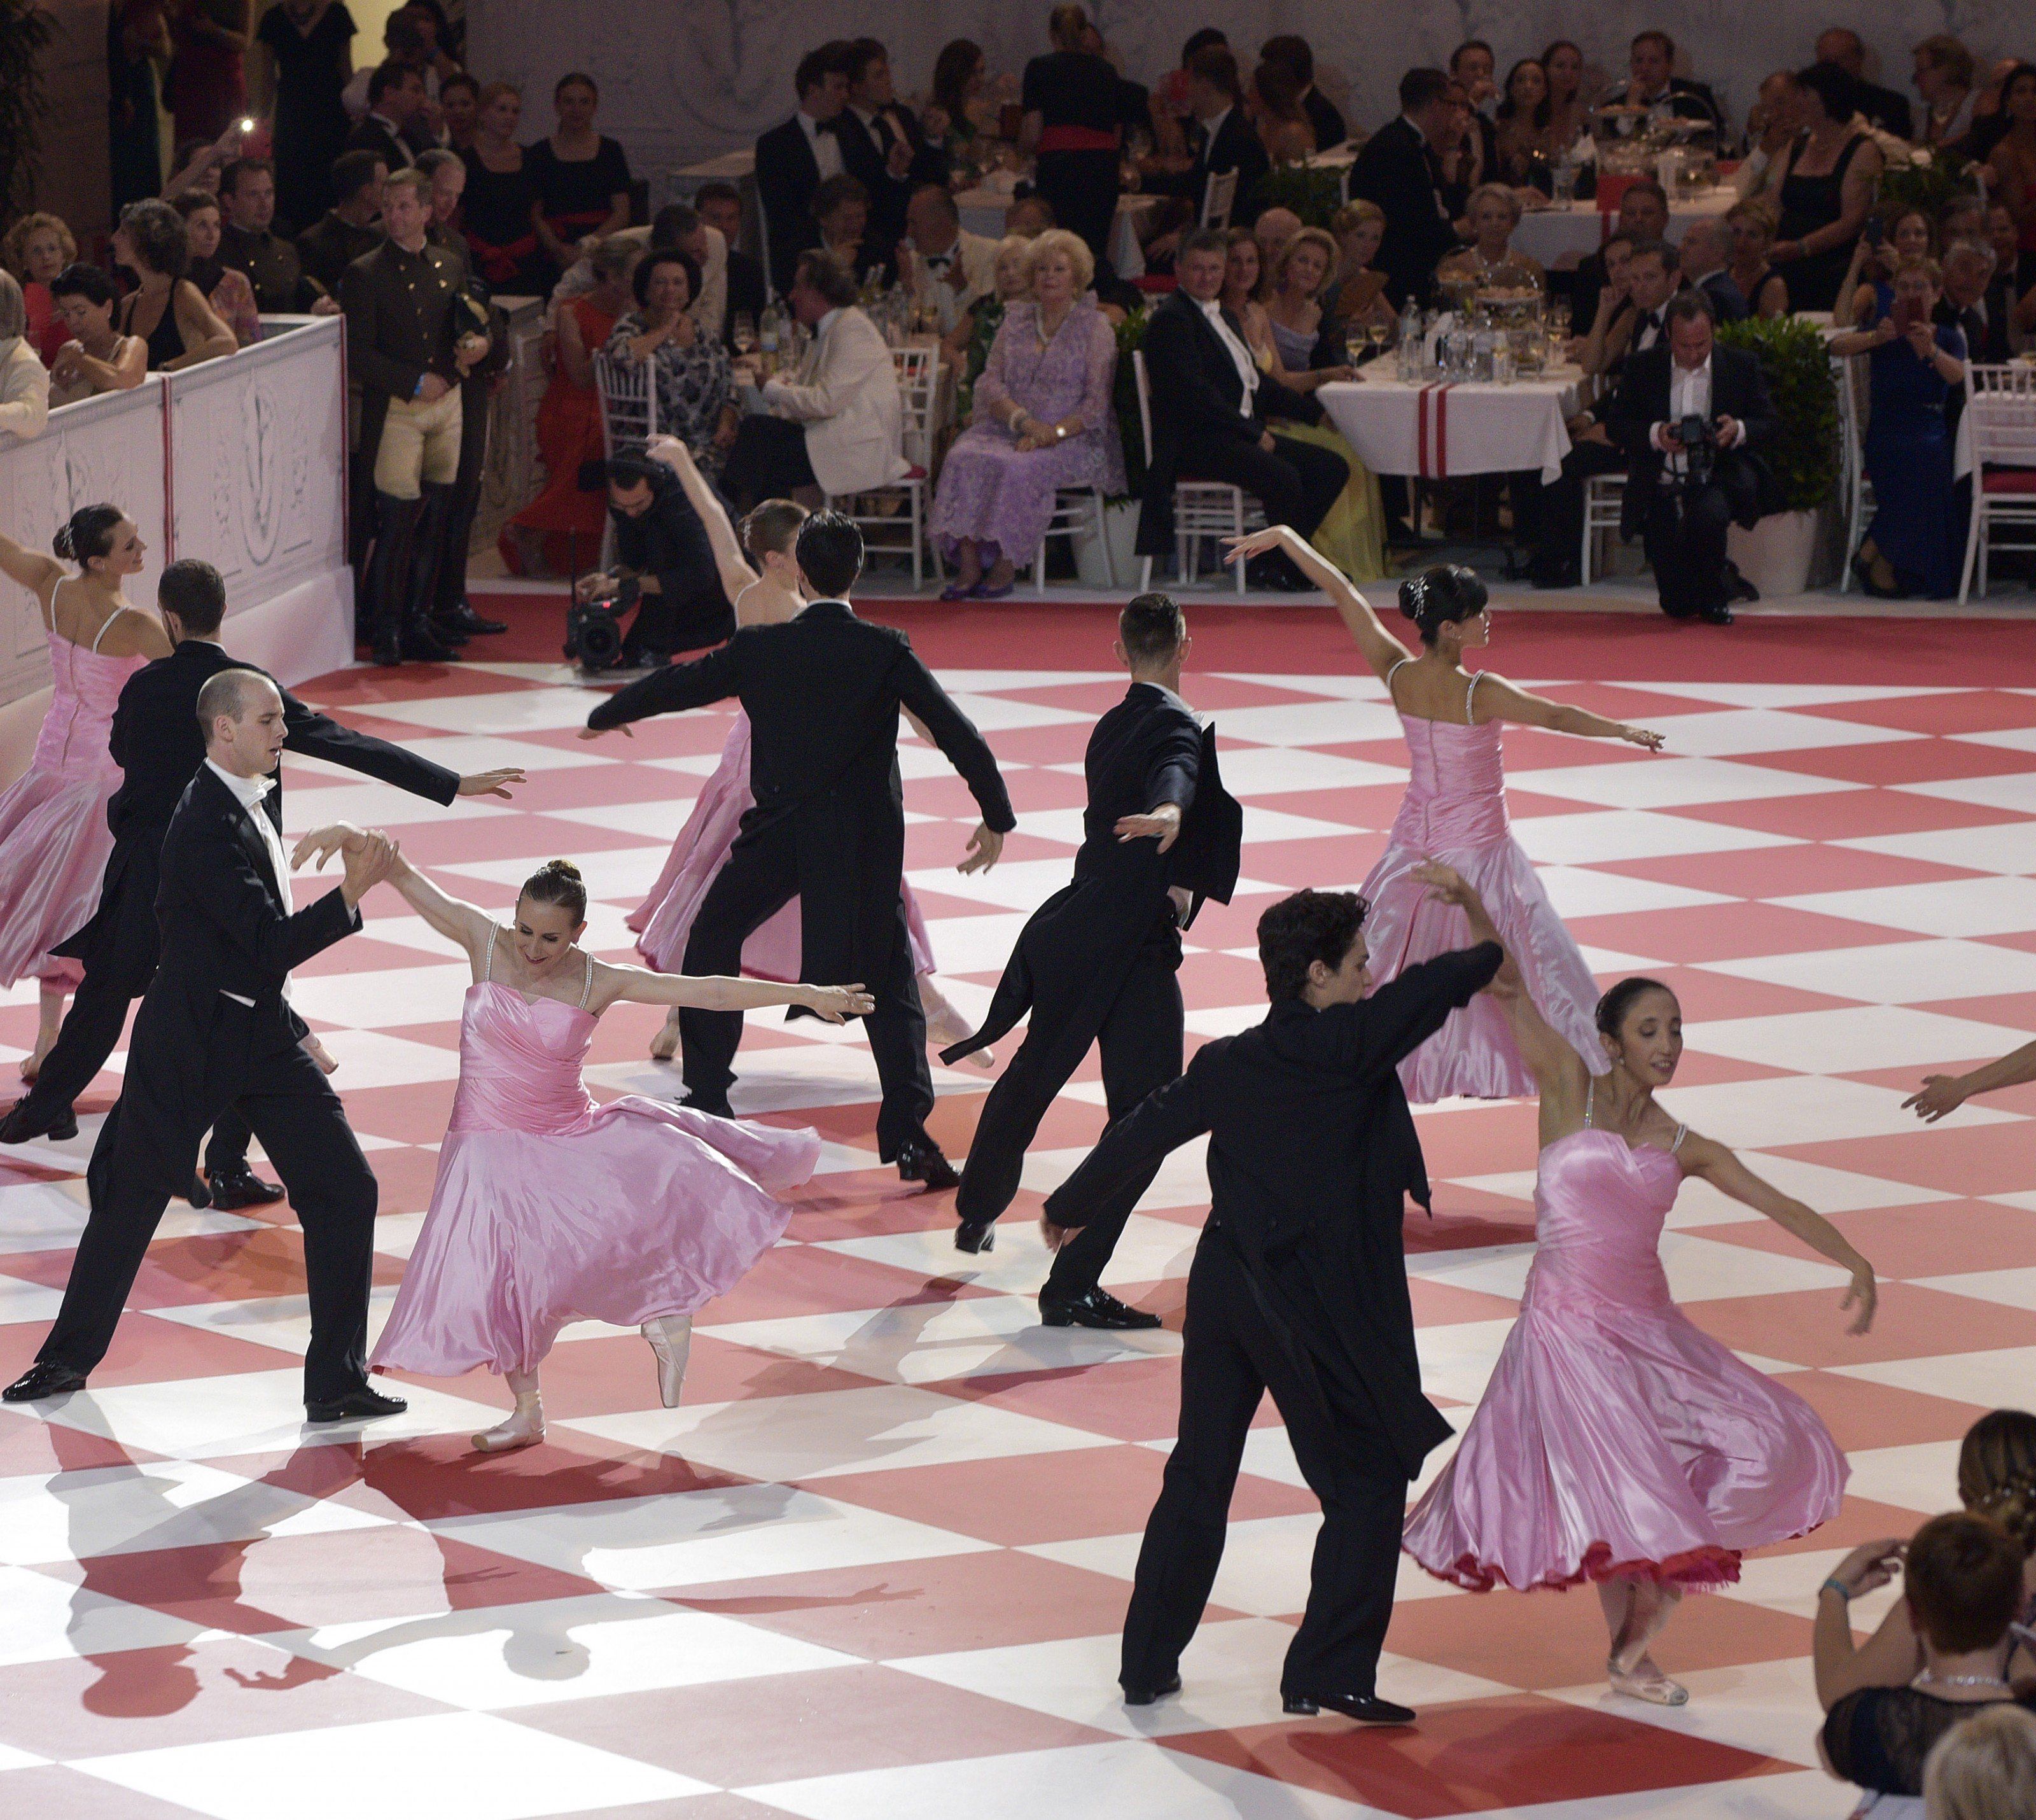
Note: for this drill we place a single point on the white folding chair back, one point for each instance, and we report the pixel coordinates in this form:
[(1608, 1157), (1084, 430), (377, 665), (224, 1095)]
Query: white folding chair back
[(2000, 417), (1077, 513), (628, 392), (884, 512), (1218, 196), (1201, 507), (1605, 499), (1853, 378)]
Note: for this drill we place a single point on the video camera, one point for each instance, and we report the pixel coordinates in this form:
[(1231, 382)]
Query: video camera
[(1694, 435), (594, 627)]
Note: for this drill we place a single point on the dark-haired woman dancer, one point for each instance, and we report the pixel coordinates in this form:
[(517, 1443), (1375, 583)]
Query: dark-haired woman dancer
[(54, 839), (1616, 1444), (1455, 813), (549, 1209)]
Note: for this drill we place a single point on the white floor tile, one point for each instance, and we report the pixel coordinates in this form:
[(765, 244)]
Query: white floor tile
[(1582, 891), (1308, 723), (1591, 836), (1672, 782), (2013, 1289), (384, 998), (1988, 1379), (1768, 1707), (1997, 846), (1953, 906), (2013, 791), (376, 1059), (1704, 1270), (1800, 1109), (1923, 1475), (1253, 770), (42, 1619), (1733, 733), (1851, 1039)]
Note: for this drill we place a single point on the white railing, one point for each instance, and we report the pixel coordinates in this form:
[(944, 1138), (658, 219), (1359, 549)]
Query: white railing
[(241, 461)]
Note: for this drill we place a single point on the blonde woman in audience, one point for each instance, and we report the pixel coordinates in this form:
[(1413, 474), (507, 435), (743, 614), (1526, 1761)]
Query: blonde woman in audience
[(1984, 1769), (1357, 292), (1490, 261), (1753, 225), (37, 247)]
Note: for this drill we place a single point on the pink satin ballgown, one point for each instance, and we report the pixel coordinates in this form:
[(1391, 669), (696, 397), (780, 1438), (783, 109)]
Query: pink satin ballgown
[(549, 1209), (1454, 812), (54, 839), (1615, 1438), (665, 919)]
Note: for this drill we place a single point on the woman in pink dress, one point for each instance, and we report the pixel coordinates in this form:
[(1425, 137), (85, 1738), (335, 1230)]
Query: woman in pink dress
[(54, 839), (1454, 813), (1616, 1444), (549, 1209), (767, 594)]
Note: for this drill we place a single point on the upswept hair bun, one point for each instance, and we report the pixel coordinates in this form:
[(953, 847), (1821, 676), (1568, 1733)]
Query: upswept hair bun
[(558, 881), (1997, 1472), (1612, 1009), (1441, 596), (88, 533)]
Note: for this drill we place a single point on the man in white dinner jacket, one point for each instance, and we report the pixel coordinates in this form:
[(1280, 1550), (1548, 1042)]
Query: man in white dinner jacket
[(837, 424)]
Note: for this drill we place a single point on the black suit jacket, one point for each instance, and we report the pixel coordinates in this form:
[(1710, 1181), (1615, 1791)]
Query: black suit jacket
[(1326, 118), (372, 135), (1687, 99), (786, 175), (866, 155), (747, 293), (1196, 393), (1312, 1153), (1398, 172), (1739, 389), (821, 692), (156, 742), (1073, 954), (1887, 109)]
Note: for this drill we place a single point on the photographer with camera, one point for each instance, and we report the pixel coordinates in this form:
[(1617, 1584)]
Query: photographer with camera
[(1691, 418), (665, 569)]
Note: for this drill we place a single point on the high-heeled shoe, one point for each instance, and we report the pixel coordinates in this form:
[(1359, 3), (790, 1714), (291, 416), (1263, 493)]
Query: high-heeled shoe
[(1863, 568), (1643, 1681), (671, 1337), (524, 1428)]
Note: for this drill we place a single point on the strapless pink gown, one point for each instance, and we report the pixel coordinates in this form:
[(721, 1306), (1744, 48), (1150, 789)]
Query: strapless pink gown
[(54, 841), (548, 1208), (1454, 811), (664, 919), (1615, 1438)]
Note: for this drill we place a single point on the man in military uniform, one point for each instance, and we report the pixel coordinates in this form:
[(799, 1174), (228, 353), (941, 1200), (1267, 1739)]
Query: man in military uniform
[(347, 228), (248, 242), (412, 334)]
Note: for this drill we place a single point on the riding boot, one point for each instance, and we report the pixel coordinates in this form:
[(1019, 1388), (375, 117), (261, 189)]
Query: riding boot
[(382, 611), (421, 642)]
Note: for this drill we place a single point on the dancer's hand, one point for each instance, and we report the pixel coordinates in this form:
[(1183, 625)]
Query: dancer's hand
[(984, 845), (367, 866), (1864, 1294), (1870, 1566), (836, 1003), (324, 842), (1447, 886), (1941, 1094), (1255, 543), (670, 451), (1055, 1236), (1642, 736), (596, 732), (491, 783), (1164, 821)]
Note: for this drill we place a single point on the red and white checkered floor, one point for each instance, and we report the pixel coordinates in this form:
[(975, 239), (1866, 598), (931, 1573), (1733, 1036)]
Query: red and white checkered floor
[(875, 1565)]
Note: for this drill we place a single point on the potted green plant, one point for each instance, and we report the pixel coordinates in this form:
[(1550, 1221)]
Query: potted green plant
[(1314, 195), (1803, 454)]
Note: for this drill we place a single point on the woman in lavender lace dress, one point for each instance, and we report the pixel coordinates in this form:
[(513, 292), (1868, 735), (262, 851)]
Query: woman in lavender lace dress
[(1044, 419)]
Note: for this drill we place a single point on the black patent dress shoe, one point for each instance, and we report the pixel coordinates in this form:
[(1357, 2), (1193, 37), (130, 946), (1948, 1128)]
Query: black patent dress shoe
[(975, 1235), (1134, 1695), (22, 1127), (1368, 1708), (43, 1381), (362, 1405), (471, 623), (65, 1127), (1715, 615), (419, 646), (199, 1193), (447, 632), (388, 649), (240, 1186), (700, 1103), (1094, 1308), (926, 1163)]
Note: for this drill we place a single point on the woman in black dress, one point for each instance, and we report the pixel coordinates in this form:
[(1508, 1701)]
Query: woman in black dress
[(1824, 186), (498, 212), (1074, 105), (307, 55), (167, 310), (580, 179)]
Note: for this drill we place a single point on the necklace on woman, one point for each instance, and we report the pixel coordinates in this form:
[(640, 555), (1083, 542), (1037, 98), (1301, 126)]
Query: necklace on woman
[(1957, 1680)]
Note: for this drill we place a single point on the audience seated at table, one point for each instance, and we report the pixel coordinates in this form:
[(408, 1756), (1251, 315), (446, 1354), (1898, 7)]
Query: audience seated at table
[(1653, 87), (695, 385), (1824, 186), (1944, 79), (2011, 166), (1272, 105), (1491, 261), (97, 358), (1473, 67), (720, 206), (24, 381), (1913, 545), (961, 114), (167, 311), (579, 177), (1643, 215), (1294, 343), (1356, 293), (348, 229), (1213, 414), (1524, 133), (1704, 256), (1044, 418), (1220, 139), (1326, 120), (943, 265), (228, 291), (559, 530), (837, 423), (840, 208), (1882, 107), (37, 247), (1400, 170), (882, 144), (1568, 108), (792, 159), (1751, 226)]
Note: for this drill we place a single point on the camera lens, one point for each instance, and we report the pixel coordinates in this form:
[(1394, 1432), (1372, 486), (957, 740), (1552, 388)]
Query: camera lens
[(599, 641)]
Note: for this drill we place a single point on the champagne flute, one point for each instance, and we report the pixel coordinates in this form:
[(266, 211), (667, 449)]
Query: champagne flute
[(745, 333)]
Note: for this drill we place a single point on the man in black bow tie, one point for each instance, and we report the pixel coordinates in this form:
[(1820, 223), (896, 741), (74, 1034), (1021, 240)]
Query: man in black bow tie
[(795, 158)]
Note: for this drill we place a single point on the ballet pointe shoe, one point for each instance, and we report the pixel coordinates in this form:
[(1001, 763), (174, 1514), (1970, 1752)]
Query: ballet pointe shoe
[(665, 1045), (524, 1428), (1643, 1681), (671, 1337)]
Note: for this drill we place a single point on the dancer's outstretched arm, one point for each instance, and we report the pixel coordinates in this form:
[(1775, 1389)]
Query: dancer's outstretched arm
[(1498, 699), (736, 573), (716, 992), (1943, 1093), (452, 917), (38, 573), (1381, 650), (1725, 1172)]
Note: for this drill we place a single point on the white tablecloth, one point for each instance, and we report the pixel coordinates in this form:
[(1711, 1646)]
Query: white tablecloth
[(1442, 430), (982, 213), (1561, 236)]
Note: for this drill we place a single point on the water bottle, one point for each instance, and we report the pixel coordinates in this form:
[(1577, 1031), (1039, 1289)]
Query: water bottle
[(770, 336), (1410, 343)]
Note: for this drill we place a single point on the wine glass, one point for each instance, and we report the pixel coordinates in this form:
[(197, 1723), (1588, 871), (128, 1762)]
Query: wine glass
[(1559, 319), (1376, 330), (745, 333)]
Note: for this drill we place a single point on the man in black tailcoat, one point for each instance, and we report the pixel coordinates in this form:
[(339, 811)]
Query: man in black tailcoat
[(1299, 1287), (1400, 169), (216, 1030), (827, 826), (1097, 962), (158, 744)]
